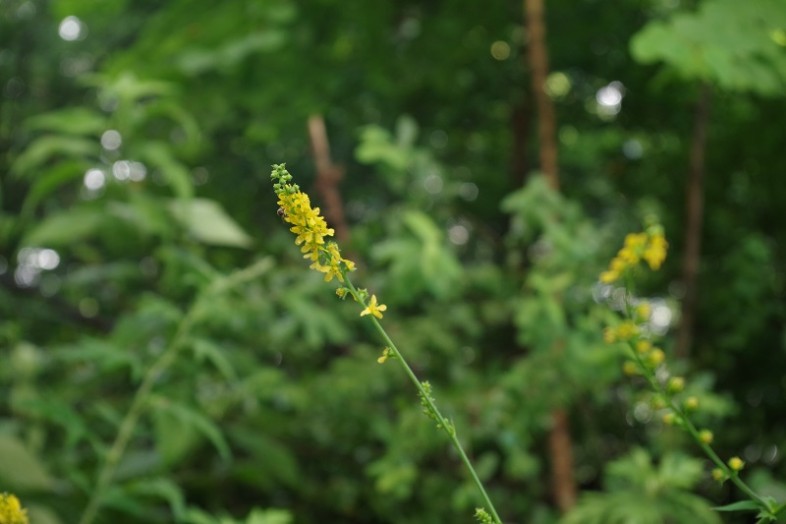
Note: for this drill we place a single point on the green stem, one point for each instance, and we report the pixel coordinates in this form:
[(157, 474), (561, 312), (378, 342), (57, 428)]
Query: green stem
[(686, 422), (441, 420), (154, 373)]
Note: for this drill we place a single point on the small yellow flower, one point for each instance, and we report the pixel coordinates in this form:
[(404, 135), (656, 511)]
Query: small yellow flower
[(373, 308), (655, 252), (656, 357), (669, 419), (691, 403), (642, 311), (676, 384), (718, 474), (609, 335), (736, 463), (630, 368), (11, 511), (627, 330), (607, 277), (386, 354), (706, 436), (643, 346)]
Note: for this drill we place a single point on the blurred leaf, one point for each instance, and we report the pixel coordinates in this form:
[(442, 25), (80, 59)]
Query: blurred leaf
[(162, 488), (207, 222), (49, 147), (69, 121), (725, 41), (195, 420), (19, 468), (42, 514), (159, 155), (66, 227), (101, 353), (198, 61), (206, 350), (52, 179), (743, 505)]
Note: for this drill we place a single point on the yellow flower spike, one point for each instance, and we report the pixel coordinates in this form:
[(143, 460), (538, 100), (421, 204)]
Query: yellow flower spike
[(373, 308), (691, 403), (706, 436), (309, 227), (11, 511), (676, 384), (736, 463), (630, 368), (718, 474), (643, 347)]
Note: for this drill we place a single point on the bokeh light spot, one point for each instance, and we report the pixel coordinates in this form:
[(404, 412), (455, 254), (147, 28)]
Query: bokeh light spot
[(500, 50), (71, 28)]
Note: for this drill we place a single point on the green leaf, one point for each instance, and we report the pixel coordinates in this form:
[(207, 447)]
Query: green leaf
[(159, 155), (207, 350), (195, 420), (20, 468), (164, 489), (51, 179), (48, 147), (66, 227), (208, 223), (743, 505), (71, 121)]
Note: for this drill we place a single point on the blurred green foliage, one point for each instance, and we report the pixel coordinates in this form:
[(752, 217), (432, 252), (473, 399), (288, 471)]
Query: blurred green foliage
[(133, 176)]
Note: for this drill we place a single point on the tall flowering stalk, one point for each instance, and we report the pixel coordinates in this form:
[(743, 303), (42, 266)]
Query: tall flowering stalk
[(310, 231), (646, 359)]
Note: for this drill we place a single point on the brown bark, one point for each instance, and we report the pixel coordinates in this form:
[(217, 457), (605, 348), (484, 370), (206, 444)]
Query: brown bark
[(694, 217), (561, 448), (539, 67), (563, 482), (329, 176), (521, 119)]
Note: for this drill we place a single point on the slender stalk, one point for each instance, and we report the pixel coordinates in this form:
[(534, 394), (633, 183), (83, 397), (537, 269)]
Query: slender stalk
[(443, 422), (694, 432), (154, 373)]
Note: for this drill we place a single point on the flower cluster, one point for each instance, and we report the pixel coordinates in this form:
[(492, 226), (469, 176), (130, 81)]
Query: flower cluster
[(648, 360), (309, 227), (11, 511), (649, 246)]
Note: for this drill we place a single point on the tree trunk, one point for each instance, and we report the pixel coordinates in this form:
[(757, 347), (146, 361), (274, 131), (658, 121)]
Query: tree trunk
[(328, 177), (694, 216), (560, 443), (539, 68)]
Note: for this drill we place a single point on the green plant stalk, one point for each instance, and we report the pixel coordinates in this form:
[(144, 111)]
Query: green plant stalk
[(687, 424), (441, 420), (162, 363)]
